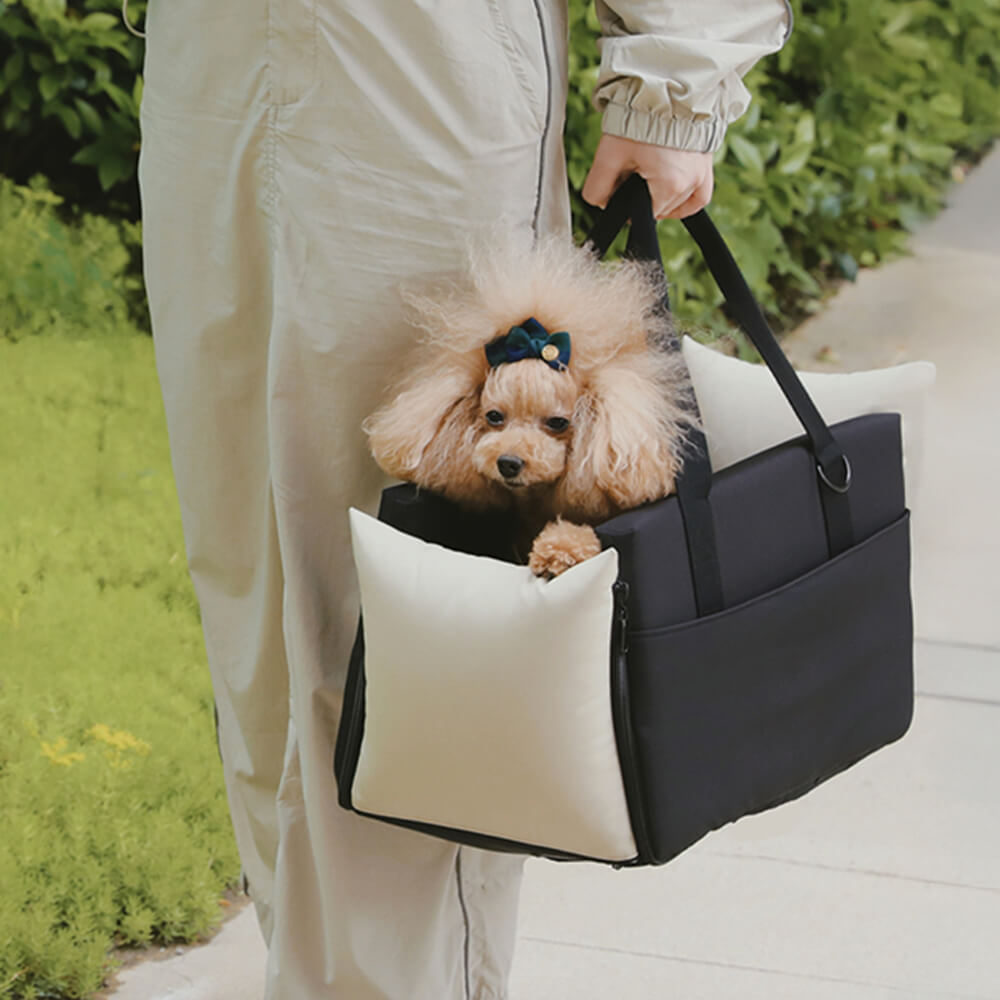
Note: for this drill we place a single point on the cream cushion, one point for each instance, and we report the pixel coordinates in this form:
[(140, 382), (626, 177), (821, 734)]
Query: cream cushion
[(743, 410), (488, 704)]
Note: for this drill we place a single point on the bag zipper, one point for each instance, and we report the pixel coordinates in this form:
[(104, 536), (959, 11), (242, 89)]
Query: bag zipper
[(624, 735)]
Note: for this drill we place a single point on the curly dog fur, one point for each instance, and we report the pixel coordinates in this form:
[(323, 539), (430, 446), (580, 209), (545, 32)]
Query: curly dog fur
[(583, 444)]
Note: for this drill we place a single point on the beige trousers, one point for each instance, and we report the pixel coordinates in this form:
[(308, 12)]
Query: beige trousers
[(299, 158)]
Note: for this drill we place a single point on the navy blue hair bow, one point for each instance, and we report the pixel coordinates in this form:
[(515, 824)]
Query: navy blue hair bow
[(530, 340)]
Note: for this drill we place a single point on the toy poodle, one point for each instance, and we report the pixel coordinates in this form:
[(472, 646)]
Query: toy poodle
[(543, 383)]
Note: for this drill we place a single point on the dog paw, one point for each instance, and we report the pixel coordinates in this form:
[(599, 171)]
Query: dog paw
[(560, 545)]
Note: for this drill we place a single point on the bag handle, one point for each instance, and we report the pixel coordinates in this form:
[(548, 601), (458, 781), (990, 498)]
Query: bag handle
[(631, 201)]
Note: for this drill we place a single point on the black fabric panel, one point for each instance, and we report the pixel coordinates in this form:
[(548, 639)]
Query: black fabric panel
[(432, 518), (652, 545), (754, 706), (768, 522)]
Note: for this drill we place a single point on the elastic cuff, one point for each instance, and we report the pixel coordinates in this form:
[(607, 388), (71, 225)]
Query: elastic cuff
[(677, 133)]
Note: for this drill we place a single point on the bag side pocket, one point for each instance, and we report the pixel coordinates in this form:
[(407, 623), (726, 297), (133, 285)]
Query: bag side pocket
[(742, 710)]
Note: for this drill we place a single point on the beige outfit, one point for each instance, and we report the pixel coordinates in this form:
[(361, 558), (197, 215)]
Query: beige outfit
[(299, 158)]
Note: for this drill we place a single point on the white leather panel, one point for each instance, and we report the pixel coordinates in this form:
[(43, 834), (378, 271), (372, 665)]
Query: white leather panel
[(488, 695)]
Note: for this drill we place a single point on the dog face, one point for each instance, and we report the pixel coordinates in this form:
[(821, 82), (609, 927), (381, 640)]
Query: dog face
[(525, 425), (602, 435), (525, 435)]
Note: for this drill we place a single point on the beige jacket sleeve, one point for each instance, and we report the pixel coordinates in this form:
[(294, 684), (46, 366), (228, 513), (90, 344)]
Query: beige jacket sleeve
[(671, 70)]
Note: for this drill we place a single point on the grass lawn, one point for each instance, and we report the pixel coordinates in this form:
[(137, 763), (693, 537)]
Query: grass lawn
[(115, 827)]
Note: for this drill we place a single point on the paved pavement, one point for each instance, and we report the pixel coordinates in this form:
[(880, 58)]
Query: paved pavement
[(885, 882)]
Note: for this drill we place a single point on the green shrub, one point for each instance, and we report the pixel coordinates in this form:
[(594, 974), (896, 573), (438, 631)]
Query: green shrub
[(850, 141), (75, 277), (69, 98), (115, 826), (855, 128)]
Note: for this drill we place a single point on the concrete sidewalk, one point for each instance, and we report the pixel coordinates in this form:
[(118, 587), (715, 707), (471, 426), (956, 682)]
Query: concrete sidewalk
[(885, 881)]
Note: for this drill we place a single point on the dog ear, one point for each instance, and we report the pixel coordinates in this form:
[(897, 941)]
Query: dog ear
[(628, 437), (431, 401)]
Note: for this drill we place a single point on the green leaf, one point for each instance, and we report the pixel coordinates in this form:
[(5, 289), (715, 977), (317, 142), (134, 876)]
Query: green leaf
[(930, 152), (794, 158), (89, 116), (110, 171), (946, 104), (747, 154), (14, 67), (878, 151), (55, 9), (20, 94), (805, 129), (70, 120), (11, 117), (107, 173), (909, 46), (91, 155), (49, 86), (898, 23), (98, 22), (121, 98)]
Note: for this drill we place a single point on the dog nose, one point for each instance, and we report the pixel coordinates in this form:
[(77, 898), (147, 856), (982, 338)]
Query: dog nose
[(509, 466)]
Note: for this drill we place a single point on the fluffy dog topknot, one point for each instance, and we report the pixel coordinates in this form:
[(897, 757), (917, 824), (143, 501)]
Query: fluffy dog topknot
[(602, 436)]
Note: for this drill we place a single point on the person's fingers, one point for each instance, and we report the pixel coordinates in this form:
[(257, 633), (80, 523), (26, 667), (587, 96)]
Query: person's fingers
[(679, 180), (668, 194), (699, 197), (605, 174), (689, 206)]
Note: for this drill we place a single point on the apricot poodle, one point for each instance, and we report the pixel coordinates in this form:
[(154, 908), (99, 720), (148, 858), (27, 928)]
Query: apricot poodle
[(543, 382)]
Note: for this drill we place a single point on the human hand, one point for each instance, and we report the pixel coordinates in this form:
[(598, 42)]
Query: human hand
[(680, 182)]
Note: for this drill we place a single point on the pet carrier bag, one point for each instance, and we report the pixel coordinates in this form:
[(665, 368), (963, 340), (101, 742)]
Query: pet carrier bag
[(733, 646)]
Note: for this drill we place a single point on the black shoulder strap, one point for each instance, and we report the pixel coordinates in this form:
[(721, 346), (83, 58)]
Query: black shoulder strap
[(632, 202)]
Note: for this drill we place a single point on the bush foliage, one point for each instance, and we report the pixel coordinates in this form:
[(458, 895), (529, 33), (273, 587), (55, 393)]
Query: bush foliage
[(115, 827), (69, 98), (77, 277), (851, 140)]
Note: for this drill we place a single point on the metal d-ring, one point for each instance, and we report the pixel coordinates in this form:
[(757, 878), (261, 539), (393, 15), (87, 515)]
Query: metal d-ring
[(848, 475), (128, 23)]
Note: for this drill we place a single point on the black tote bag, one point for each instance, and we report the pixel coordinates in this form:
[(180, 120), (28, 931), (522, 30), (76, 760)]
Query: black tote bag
[(762, 635)]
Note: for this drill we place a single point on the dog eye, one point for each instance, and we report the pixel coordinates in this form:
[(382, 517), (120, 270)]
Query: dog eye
[(557, 424), (494, 418)]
